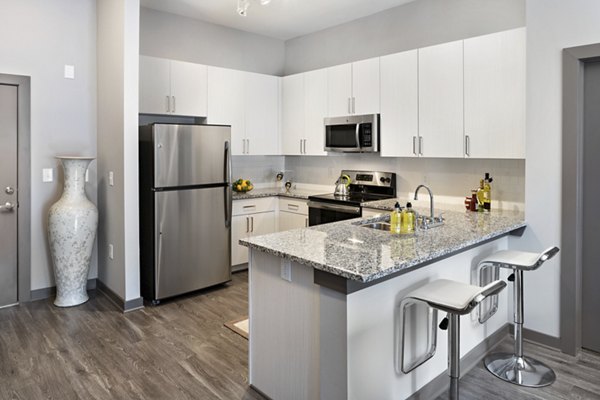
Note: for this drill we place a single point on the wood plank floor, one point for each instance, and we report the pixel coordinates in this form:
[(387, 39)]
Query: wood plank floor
[(178, 350), (181, 350), (577, 378)]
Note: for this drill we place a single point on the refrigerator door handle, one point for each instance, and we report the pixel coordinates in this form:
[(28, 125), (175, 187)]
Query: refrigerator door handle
[(227, 178)]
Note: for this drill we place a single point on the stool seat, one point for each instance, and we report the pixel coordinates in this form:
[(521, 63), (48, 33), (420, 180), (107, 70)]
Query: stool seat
[(520, 260), (455, 297), (515, 367)]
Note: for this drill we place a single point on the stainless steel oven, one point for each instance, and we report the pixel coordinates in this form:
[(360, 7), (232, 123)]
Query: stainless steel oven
[(364, 186), (352, 134), (323, 213)]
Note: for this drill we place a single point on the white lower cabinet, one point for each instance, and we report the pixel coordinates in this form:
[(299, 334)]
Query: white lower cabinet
[(246, 222), (293, 214)]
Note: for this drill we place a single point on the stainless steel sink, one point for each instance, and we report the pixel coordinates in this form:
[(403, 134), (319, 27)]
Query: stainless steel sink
[(382, 226)]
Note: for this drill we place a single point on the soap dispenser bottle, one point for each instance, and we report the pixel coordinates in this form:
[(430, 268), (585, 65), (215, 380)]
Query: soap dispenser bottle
[(396, 219), (408, 220)]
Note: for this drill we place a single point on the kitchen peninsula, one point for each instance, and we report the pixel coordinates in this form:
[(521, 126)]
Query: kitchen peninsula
[(324, 303)]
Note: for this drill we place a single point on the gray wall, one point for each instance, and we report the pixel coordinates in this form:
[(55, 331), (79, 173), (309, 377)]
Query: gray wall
[(552, 25), (39, 38), (185, 39), (118, 56), (417, 24)]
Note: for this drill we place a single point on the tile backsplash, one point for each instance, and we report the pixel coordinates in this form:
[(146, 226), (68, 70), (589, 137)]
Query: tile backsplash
[(445, 176)]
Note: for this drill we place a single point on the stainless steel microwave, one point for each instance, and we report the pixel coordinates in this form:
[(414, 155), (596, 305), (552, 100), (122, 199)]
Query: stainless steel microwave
[(352, 134)]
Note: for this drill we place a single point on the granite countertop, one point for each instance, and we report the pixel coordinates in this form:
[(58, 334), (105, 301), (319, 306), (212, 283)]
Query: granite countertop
[(275, 192), (365, 255)]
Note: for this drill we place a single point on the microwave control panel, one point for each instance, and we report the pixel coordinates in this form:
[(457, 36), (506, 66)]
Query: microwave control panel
[(367, 136)]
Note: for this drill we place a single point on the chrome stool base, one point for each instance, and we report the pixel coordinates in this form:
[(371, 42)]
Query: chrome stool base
[(522, 371)]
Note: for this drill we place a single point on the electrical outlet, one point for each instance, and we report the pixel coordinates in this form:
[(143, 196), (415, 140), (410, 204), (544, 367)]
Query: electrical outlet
[(286, 270), (111, 253), (47, 175), (69, 71)]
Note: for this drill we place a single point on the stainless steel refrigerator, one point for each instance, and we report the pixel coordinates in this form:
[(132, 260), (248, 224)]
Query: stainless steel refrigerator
[(185, 208)]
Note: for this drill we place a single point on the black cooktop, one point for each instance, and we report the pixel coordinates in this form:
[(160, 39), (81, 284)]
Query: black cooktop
[(353, 199)]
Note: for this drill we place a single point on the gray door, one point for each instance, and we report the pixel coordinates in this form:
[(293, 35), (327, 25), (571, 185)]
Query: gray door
[(591, 211), (8, 195), (190, 154), (193, 240)]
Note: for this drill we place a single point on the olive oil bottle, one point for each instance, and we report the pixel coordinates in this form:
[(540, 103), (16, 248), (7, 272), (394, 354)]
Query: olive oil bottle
[(487, 192)]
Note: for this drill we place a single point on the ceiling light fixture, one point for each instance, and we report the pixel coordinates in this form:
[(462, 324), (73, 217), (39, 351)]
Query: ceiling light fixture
[(243, 5)]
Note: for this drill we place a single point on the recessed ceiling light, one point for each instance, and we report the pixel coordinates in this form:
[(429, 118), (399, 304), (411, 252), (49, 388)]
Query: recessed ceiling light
[(242, 6)]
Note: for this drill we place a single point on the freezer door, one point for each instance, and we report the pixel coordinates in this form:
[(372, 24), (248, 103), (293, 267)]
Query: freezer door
[(192, 239), (190, 154)]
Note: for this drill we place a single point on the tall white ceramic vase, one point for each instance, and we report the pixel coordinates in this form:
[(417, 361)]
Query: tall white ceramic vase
[(72, 223)]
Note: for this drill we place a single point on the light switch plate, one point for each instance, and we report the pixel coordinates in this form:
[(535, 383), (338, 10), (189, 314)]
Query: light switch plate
[(286, 270), (111, 253), (47, 175), (87, 175), (69, 71), (111, 178)]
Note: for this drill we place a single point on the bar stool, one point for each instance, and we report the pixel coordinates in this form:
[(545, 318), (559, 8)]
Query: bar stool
[(456, 299), (517, 368)]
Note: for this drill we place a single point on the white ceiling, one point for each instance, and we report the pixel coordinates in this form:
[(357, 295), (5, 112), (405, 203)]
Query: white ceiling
[(281, 19)]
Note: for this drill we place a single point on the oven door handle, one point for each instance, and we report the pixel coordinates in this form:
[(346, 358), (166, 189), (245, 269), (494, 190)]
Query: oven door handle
[(334, 207)]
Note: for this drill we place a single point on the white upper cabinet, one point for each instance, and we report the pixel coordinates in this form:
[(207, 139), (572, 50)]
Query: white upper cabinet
[(399, 124), (353, 88), (339, 90), (293, 114), (248, 102), (172, 87), (441, 100), (304, 106), (155, 85), (315, 106), (226, 104), (495, 95), (188, 88), (365, 86), (262, 114)]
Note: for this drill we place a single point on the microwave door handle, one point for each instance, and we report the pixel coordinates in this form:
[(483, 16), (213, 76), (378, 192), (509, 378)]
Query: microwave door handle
[(358, 146)]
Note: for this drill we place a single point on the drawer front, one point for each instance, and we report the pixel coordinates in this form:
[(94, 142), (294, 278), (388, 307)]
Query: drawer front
[(251, 206), (293, 206)]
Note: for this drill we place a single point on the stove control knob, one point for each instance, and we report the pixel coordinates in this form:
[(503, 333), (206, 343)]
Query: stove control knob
[(387, 180), (382, 179)]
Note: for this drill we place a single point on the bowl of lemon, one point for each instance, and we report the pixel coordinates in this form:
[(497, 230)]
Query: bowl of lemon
[(242, 186)]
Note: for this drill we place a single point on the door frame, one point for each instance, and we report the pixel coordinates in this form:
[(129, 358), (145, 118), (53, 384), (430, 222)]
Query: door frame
[(571, 268), (23, 84)]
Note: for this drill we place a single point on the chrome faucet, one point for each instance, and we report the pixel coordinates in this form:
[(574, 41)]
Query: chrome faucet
[(432, 221), (431, 215)]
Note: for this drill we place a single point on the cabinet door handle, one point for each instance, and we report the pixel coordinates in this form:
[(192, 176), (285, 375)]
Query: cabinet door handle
[(306, 222), (349, 106), (168, 104), (247, 146), (467, 145), (421, 145), (173, 103), (353, 105), (415, 145), (293, 207), (247, 224), (304, 146), (252, 224)]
